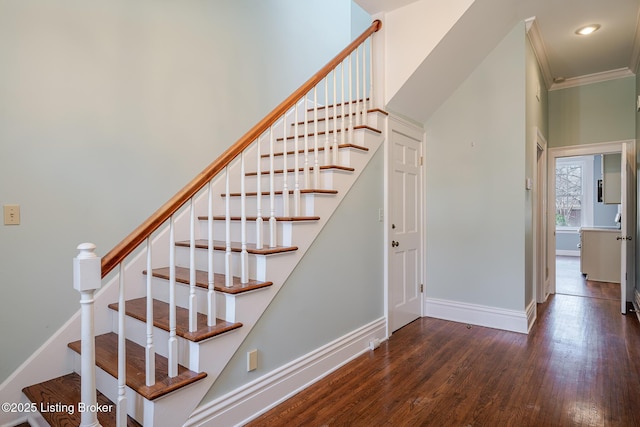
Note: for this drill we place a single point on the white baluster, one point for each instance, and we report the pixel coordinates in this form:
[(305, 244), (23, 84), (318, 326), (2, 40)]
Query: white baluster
[(86, 280), (150, 352), (285, 171), (272, 193), (228, 272), (327, 158), (244, 256), (193, 307), (172, 369), (296, 172), (372, 104), (211, 295), (316, 162), (350, 100), (121, 402), (358, 112), (307, 183), (343, 109), (364, 83), (259, 220), (335, 116)]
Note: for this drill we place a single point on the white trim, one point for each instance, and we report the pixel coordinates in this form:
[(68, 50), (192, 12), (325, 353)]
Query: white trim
[(539, 228), (566, 252), (532, 314), (481, 315), (539, 50), (253, 399), (568, 151), (593, 78)]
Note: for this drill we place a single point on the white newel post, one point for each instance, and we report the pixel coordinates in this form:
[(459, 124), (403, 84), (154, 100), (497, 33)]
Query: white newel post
[(86, 279)]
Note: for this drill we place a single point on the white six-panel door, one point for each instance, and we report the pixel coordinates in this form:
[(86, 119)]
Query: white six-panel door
[(405, 223)]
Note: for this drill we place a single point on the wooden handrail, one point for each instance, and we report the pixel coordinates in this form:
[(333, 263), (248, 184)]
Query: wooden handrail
[(126, 246)]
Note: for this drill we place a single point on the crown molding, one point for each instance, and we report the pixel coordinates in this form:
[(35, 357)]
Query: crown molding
[(533, 32), (593, 78)]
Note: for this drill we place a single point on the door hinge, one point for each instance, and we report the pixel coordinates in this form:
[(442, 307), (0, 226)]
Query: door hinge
[(421, 288), (421, 160)]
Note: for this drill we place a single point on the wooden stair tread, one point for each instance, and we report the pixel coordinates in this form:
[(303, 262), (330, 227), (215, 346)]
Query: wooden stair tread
[(292, 170), (265, 218), (182, 276), (107, 359), (266, 193), (220, 245), (301, 151), (137, 308), (65, 392), (339, 116), (321, 133)]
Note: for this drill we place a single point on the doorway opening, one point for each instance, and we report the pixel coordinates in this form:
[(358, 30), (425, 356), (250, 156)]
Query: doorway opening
[(592, 218)]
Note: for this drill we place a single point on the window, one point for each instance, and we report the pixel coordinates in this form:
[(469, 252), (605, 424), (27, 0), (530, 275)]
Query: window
[(574, 192)]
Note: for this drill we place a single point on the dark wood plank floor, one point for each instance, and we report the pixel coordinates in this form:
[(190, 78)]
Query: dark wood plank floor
[(579, 366)]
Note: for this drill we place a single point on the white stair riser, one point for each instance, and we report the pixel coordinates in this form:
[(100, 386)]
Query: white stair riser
[(307, 204), (371, 121), (325, 182), (357, 137), (188, 351), (108, 386), (284, 231)]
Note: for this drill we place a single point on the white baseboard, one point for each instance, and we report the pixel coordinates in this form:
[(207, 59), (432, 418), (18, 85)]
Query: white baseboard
[(480, 315), (532, 314), (255, 398)]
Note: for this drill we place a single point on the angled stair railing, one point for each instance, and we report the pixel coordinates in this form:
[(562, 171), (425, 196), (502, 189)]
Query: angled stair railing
[(344, 90)]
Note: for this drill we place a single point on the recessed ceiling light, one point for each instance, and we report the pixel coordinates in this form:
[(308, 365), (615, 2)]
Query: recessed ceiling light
[(587, 29)]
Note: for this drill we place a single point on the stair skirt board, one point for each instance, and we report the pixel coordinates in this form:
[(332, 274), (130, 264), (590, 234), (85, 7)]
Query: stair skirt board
[(481, 315), (255, 398), (53, 358)]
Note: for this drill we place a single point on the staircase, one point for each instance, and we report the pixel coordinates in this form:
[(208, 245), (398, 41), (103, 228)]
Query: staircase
[(188, 292)]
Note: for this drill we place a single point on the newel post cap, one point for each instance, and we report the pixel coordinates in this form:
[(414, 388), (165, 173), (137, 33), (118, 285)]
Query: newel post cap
[(87, 268)]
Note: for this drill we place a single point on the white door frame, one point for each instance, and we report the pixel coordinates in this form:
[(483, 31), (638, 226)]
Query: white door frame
[(391, 120), (570, 151), (540, 222)]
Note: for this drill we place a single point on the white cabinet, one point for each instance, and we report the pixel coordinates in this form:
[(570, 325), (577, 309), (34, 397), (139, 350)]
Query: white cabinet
[(600, 254)]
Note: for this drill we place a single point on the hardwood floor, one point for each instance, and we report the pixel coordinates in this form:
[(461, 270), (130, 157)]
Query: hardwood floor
[(570, 281), (579, 366)]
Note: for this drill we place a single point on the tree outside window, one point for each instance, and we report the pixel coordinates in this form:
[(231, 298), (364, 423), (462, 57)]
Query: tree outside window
[(569, 194)]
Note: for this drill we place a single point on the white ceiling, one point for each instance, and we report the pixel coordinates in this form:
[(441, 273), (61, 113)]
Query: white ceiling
[(563, 54)]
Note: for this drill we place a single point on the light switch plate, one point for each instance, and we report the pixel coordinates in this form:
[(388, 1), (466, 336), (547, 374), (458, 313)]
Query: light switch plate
[(252, 360), (11, 214)]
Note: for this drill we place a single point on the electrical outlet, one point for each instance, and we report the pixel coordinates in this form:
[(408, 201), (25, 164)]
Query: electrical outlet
[(11, 214), (252, 360)]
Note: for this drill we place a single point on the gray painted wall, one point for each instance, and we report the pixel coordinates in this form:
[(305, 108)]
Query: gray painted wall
[(598, 112), (109, 108), (475, 192)]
